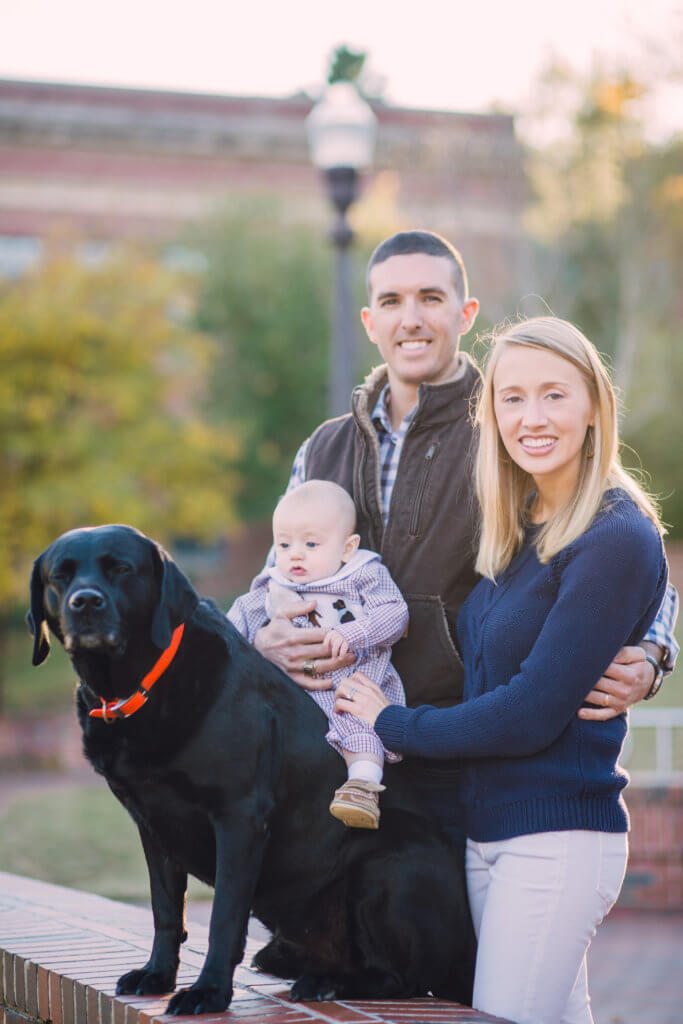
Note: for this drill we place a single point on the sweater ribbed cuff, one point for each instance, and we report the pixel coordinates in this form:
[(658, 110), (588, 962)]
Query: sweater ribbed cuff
[(391, 726)]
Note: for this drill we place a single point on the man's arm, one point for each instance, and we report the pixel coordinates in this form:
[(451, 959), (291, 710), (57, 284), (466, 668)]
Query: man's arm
[(630, 677)]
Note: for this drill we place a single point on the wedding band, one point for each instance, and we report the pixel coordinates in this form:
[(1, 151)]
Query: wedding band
[(352, 692), (607, 700), (309, 668)]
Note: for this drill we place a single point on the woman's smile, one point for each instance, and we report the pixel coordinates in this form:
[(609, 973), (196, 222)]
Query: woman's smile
[(536, 446)]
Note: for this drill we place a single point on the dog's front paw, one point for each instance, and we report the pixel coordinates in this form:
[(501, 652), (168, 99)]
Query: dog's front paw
[(312, 988), (144, 982), (199, 999)]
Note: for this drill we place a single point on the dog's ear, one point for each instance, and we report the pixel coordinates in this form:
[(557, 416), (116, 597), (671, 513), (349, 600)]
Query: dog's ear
[(177, 599), (35, 617)]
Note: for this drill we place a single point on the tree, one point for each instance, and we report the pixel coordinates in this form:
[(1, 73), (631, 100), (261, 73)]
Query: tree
[(608, 221), (100, 387), (265, 298)]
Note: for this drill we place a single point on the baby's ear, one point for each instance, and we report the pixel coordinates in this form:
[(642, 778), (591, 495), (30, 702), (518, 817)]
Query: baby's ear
[(351, 546)]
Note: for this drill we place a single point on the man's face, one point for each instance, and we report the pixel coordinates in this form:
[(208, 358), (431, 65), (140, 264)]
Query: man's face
[(415, 316)]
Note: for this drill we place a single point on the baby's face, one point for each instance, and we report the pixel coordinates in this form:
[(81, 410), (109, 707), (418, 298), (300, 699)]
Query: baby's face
[(309, 544)]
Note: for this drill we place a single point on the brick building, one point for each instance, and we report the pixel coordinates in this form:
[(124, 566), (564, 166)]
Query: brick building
[(113, 163)]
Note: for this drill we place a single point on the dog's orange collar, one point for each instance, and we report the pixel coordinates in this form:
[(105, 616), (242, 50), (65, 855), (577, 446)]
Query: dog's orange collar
[(125, 707)]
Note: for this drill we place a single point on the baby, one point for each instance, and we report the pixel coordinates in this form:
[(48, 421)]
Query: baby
[(358, 604)]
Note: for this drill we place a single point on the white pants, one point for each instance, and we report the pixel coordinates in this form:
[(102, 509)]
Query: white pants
[(536, 901)]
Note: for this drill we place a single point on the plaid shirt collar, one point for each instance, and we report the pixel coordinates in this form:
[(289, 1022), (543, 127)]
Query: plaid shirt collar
[(381, 417)]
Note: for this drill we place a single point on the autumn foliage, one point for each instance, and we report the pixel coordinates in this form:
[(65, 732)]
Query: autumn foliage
[(101, 393)]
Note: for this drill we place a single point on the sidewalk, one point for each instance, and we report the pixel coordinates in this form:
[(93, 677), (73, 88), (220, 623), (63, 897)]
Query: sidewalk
[(635, 968)]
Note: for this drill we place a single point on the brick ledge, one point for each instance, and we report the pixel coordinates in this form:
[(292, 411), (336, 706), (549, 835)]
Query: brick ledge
[(62, 951)]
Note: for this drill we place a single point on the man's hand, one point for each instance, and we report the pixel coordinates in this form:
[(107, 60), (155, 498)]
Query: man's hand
[(338, 645), (290, 648), (627, 680)]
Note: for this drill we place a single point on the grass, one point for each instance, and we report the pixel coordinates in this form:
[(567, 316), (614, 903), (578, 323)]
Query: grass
[(82, 838), (29, 690)]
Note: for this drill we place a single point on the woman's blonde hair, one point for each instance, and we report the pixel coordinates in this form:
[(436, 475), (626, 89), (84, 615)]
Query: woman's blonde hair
[(503, 488)]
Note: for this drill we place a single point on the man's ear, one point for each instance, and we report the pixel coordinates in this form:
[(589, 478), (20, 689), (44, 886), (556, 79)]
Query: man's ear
[(351, 547), (35, 617), (469, 315), (366, 319), (177, 599)]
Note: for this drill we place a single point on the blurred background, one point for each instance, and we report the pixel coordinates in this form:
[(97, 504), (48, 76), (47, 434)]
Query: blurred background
[(167, 297)]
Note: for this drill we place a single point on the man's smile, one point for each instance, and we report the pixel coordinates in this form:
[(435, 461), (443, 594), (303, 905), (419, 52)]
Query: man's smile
[(414, 344)]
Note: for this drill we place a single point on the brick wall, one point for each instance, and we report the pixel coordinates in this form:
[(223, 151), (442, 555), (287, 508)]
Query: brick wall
[(654, 878)]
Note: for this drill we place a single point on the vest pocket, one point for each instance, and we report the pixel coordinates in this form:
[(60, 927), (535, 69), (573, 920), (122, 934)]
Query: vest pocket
[(426, 659), (428, 462)]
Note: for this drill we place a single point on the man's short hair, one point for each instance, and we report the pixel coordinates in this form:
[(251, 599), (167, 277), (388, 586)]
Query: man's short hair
[(405, 243)]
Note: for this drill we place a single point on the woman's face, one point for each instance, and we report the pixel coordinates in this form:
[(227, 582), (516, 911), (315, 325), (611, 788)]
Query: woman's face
[(543, 409)]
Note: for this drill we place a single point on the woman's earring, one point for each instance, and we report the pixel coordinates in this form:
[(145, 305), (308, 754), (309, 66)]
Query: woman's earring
[(590, 438)]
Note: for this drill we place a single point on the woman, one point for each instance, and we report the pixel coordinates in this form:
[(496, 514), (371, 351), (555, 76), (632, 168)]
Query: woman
[(573, 569)]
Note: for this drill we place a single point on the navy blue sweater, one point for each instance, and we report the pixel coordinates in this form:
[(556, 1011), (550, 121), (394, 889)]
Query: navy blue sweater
[(534, 644)]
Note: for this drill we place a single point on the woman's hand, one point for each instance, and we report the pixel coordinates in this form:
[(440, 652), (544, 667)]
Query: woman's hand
[(360, 698)]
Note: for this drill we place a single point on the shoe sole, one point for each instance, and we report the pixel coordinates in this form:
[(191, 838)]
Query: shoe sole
[(353, 817)]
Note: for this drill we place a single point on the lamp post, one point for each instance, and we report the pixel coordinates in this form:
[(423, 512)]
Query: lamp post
[(341, 132)]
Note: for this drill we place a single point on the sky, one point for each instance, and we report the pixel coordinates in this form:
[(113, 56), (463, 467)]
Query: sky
[(437, 54)]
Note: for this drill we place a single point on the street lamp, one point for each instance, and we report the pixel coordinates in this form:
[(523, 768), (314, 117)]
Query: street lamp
[(341, 133)]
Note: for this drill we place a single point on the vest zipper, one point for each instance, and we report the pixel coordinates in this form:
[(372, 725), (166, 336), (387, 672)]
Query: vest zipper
[(360, 490), (430, 455), (361, 479)]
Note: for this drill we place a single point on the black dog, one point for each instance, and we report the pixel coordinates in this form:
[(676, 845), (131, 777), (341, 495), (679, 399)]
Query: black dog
[(223, 765)]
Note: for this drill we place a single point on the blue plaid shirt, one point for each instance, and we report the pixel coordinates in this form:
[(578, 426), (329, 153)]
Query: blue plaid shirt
[(661, 631)]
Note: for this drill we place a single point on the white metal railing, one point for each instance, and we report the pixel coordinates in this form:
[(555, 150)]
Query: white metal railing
[(664, 721)]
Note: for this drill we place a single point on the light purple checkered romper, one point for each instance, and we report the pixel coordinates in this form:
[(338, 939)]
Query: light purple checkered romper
[(361, 602)]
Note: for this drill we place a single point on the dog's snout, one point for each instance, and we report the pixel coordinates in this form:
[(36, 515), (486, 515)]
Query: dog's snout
[(86, 599)]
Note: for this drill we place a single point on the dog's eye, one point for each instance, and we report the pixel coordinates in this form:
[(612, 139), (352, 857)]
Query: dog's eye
[(114, 567), (60, 573)]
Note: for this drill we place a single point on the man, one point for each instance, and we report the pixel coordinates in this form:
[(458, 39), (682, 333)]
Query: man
[(404, 455)]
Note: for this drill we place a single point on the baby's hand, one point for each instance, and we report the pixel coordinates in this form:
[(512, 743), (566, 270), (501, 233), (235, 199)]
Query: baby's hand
[(338, 645)]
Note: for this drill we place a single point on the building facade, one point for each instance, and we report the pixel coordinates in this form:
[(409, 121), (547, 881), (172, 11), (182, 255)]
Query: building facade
[(111, 163)]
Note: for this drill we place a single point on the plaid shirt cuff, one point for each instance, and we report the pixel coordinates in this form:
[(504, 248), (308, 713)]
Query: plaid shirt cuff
[(661, 632)]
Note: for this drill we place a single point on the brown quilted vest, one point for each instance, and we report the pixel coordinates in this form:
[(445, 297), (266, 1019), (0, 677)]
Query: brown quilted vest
[(428, 544)]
